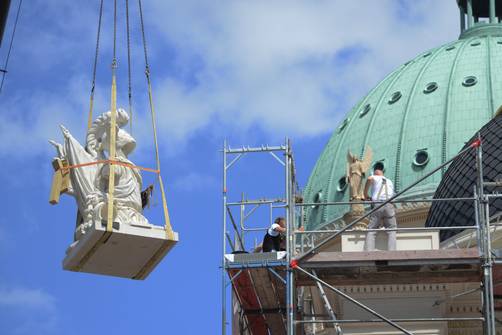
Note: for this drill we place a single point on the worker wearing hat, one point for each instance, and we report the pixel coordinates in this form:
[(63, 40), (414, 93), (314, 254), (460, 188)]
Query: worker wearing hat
[(379, 188)]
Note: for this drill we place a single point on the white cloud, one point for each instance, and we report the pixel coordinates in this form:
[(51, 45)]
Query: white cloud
[(31, 311), (27, 298), (28, 121), (286, 67), (281, 65)]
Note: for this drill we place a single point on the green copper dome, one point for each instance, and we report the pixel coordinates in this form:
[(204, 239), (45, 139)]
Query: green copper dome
[(420, 115)]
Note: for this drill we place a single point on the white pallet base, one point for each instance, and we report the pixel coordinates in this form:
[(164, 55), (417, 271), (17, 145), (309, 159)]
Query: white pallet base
[(130, 251)]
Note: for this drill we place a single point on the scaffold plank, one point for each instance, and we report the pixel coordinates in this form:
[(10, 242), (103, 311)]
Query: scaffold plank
[(267, 293), (262, 298), (249, 301), (497, 283)]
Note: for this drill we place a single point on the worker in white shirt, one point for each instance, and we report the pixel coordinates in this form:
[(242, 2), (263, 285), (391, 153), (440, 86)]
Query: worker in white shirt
[(378, 188), (272, 239)]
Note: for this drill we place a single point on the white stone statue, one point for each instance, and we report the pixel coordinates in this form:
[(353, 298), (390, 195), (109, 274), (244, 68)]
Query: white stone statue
[(89, 184)]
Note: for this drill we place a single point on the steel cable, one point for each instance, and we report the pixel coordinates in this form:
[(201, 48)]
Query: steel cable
[(4, 70), (129, 66), (94, 67)]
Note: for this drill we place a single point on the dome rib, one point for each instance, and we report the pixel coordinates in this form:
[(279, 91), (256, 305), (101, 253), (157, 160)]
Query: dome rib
[(329, 187), (399, 74), (413, 93), (448, 101), (489, 75), (331, 143)]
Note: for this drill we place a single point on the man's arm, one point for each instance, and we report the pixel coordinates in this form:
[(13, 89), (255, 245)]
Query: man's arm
[(367, 187), (280, 229)]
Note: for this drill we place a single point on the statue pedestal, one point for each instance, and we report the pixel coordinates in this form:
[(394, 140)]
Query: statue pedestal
[(356, 211), (412, 241), (131, 251)]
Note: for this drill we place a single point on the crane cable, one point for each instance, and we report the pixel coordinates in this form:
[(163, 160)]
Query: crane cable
[(129, 66), (167, 227), (4, 70), (94, 67)]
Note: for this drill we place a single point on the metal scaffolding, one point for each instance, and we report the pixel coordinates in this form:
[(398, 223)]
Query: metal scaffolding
[(247, 273)]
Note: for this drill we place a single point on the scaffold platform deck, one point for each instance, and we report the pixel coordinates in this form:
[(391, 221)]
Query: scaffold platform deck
[(394, 267)]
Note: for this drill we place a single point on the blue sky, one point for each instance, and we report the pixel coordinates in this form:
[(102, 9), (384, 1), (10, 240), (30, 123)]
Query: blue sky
[(253, 72)]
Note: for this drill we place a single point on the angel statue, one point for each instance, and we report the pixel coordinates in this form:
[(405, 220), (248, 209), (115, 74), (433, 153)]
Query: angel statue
[(89, 182), (356, 170)]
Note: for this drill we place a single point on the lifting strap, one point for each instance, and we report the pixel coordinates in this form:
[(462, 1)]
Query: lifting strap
[(113, 132), (167, 225), (107, 161), (113, 126)]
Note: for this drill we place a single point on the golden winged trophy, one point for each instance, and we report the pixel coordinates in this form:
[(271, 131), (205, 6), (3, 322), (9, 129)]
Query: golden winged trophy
[(356, 171)]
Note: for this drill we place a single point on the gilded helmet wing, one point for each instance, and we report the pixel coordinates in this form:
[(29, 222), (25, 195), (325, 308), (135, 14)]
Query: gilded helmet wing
[(366, 161)]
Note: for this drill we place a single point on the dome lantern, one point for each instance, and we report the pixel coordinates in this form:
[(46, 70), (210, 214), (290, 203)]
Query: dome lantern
[(471, 11)]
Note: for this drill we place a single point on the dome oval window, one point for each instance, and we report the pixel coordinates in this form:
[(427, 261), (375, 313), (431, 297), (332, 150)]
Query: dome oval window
[(427, 54), (475, 44), (395, 97), (450, 48), (421, 158), (317, 198), (499, 42), (342, 184), (379, 166), (430, 87), (365, 110), (470, 81), (344, 124)]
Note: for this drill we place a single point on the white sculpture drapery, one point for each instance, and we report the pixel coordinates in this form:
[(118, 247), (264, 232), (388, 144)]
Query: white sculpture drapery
[(89, 184)]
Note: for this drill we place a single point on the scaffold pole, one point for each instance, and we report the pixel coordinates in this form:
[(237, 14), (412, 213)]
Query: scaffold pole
[(485, 246), (224, 232)]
